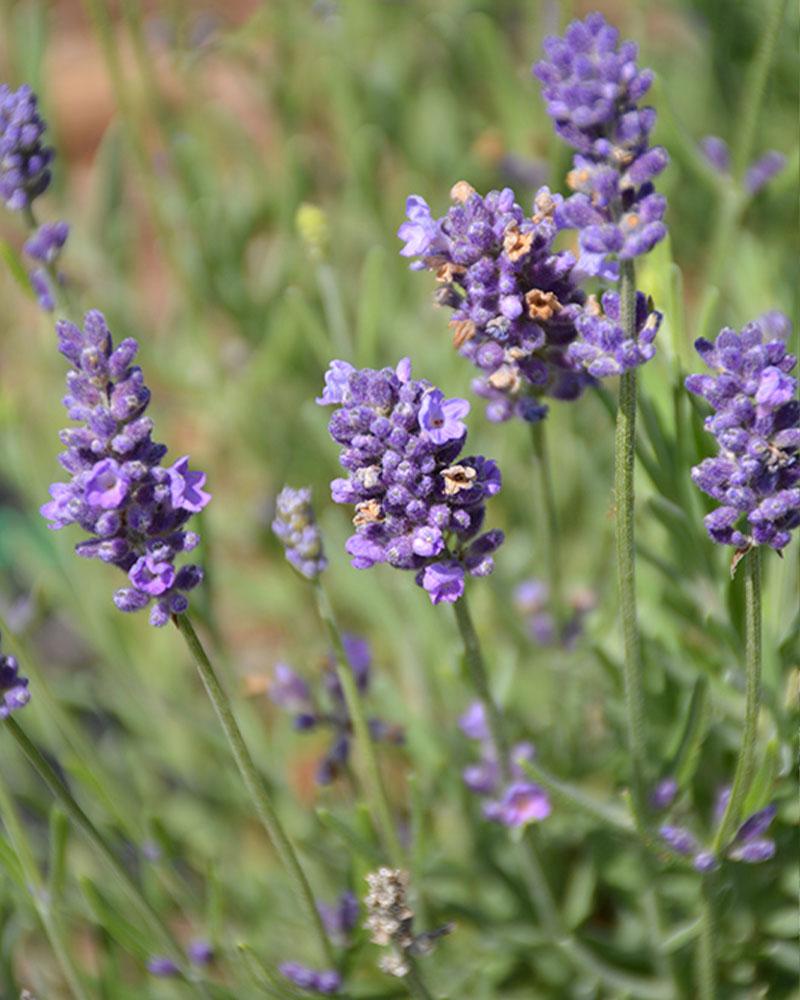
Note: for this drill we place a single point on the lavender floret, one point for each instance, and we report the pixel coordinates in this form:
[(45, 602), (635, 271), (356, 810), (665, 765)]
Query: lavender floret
[(291, 692), (664, 794), (340, 918), (762, 171), (419, 505), (14, 691), (749, 844), (134, 510), (296, 526), (756, 421), (162, 966), (592, 87), (46, 244), (24, 160), (717, 153)]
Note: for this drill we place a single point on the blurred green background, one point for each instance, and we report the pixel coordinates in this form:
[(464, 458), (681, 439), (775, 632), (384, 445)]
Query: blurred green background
[(190, 136)]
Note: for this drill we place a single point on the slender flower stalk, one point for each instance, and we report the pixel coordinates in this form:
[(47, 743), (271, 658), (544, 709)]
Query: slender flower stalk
[(549, 527), (38, 891), (366, 745), (84, 823), (255, 784), (624, 458), (745, 764), (705, 958)]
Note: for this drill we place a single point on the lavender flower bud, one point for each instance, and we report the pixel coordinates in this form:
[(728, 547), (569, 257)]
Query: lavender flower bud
[(296, 526), (716, 151), (756, 420), (419, 505), (14, 692), (761, 172), (24, 161), (133, 508), (340, 919), (679, 839), (200, 952), (663, 795)]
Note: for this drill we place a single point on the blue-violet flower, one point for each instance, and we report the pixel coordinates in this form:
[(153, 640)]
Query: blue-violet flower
[(24, 160), (134, 509), (756, 421), (419, 504)]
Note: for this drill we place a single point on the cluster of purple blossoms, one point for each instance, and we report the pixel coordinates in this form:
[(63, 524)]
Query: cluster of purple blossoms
[(515, 300), (14, 692), (756, 475), (519, 802), (134, 509), (759, 173), (592, 87), (749, 844), (45, 247), (292, 693), (296, 527), (24, 161), (326, 982), (532, 600), (419, 505)]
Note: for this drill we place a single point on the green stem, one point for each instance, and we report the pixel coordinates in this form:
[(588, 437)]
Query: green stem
[(705, 961), (50, 921), (366, 745), (90, 831), (528, 851), (747, 752), (754, 87), (549, 522), (626, 576), (254, 783)]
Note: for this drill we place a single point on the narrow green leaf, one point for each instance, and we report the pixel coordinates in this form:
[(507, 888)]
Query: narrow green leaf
[(687, 755)]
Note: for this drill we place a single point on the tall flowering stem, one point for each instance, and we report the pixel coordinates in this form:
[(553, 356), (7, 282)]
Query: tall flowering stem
[(624, 459), (364, 740), (549, 526), (255, 783), (747, 752), (84, 823)]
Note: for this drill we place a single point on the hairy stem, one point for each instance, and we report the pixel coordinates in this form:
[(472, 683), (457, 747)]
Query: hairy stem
[(626, 574), (90, 831), (745, 763), (366, 745), (549, 522), (254, 783), (705, 977)]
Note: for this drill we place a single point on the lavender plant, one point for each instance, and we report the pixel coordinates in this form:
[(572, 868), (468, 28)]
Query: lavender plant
[(642, 848)]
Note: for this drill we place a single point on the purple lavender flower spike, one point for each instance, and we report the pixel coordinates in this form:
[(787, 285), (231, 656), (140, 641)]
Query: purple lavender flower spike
[(161, 966), (296, 526), (716, 151), (292, 693), (514, 298), (592, 87), (419, 505), (119, 493), (340, 918), (24, 160), (756, 420), (14, 692), (763, 170), (326, 982)]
